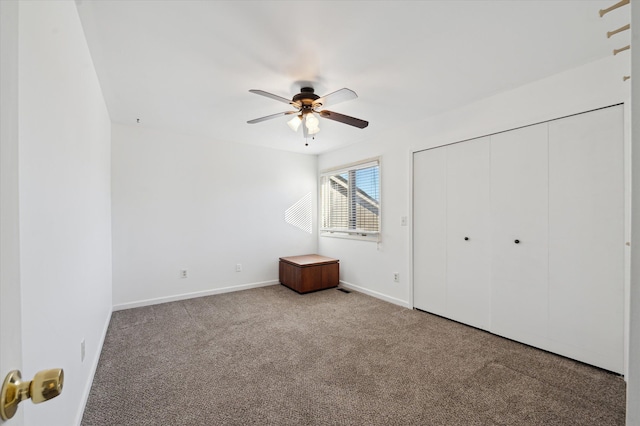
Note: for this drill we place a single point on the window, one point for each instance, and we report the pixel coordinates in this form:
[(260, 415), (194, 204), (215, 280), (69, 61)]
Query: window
[(351, 201)]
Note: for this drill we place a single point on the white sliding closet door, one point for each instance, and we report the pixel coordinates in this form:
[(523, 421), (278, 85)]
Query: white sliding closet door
[(586, 237), (519, 234), (522, 234), (430, 233), (468, 244)]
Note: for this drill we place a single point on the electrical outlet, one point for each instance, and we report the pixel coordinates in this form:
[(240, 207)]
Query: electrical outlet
[(82, 350), (396, 277), (238, 267), (183, 273)]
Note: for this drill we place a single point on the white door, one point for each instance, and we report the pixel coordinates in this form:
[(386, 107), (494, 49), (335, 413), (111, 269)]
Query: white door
[(10, 311), (586, 237), (430, 233), (468, 237), (519, 233)]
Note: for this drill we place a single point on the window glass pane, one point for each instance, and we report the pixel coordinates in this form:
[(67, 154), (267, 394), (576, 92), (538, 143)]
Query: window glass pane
[(338, 207), (367, 198), (351, 200)]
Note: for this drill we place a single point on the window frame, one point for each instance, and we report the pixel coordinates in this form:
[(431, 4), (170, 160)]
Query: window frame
[(353, 234)]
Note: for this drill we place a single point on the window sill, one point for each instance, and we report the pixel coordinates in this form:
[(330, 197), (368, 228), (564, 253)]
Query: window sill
[(373, 237)]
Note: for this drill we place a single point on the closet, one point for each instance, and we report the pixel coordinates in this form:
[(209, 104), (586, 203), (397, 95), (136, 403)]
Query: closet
[(521, 233)]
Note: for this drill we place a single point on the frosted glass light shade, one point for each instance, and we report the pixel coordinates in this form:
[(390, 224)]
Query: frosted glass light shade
[(312, 121), (295, 122)]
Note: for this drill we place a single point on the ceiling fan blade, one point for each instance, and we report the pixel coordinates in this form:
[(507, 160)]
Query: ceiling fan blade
[(335, 97), (276, 97), (351, 121), (269, 117)]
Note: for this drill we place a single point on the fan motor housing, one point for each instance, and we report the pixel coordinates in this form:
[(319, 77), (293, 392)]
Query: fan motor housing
[(306, 97)]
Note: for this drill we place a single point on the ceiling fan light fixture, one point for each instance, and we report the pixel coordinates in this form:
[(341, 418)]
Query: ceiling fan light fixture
[(295, 122), (311, 121), (308, 105)]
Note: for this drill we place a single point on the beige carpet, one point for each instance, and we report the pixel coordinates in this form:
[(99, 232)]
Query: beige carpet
[(270, 356)]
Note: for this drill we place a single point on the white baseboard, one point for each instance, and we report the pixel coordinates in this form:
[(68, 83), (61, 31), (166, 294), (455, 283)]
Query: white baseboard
[(195, 294), (92, 373), (375, 294)]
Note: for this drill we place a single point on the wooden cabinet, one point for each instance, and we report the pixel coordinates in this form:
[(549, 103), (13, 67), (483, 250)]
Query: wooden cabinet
[(543, 210), (309, 272)]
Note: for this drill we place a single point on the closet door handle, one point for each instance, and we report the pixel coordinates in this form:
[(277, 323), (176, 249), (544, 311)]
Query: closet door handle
[(517, 241), (466, 238)]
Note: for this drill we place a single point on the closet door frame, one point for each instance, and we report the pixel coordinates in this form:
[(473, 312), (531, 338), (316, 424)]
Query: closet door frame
[(626, 221)]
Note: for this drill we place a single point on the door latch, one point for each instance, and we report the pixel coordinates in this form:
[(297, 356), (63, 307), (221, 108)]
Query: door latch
[(46, 384)]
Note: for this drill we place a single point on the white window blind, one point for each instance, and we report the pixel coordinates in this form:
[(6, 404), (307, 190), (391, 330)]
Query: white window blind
[(351, 200)]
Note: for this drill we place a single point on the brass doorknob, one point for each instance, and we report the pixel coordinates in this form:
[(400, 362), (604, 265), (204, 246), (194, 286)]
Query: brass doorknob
[(45, 385)]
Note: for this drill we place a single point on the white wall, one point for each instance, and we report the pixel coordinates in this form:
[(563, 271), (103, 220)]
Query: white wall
[(370, 267), (185, 202), (633, 382), (65, 223)]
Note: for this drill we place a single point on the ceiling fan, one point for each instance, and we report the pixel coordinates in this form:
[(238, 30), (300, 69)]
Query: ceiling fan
[(308, 106)]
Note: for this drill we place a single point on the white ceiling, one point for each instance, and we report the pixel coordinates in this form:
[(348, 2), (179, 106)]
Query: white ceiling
[(187, 66)]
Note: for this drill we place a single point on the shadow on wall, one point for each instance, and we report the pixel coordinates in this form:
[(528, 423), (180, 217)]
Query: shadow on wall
[(300, 215)]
